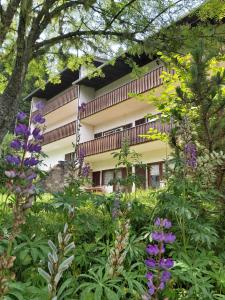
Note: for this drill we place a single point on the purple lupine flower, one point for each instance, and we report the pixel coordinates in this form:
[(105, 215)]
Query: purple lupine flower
[(22, 129), (152, 249), (157, 261), (190, 151), (14, 160), (166, 275), (33, 148), (151, 288), (157, 222), (166, 263), (166, 223), (151, 263), (15, 144), (37, 134), (85, 170), (21, 116), (31, 176), (158, 236), (81, 156), (169, 238), (40, 105), (163, 223), (30, 162), (38, 119), (36, 131), (149, 276), (161, 286)]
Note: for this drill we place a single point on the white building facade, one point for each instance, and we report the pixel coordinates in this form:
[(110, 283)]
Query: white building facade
[(110, 114)]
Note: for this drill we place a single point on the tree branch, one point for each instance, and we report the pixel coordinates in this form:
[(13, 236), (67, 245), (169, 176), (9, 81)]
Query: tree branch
[(119, 13), (81, 33), (7, 18), (159, 14)]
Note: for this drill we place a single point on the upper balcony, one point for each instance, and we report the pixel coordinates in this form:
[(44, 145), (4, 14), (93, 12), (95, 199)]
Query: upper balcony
[(59, 133), (60, 100), (149, 81), (114, 141)]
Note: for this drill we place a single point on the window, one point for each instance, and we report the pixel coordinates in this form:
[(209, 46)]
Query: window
[(97, 135), (155, 174), (96, 178), (140, 121), (69, 156), (107, 176)]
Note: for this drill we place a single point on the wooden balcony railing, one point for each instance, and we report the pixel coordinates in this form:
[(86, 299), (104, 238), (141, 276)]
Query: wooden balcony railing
[(147, 82), (59, 133), (59, 100), (114, 141)]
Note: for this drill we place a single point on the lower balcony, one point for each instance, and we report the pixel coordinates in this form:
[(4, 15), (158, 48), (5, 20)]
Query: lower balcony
[(59, 133), (114, 141)]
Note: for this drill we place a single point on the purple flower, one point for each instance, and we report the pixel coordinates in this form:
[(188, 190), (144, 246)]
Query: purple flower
[(149, 276), (166, 263), (13, 160), (38, 119), (10, 174), (150, 263), (165, 276), (22, 129), (169, 238), (158, 236), (36, 134), (31, 176), (21, 116), (151, 290), (152, 249), (40, 105), (190, 151), (85, 170), (161, 286), (166, 223), (158, 222), (163, 223), (16, 144), (33, 148), (30, 162)]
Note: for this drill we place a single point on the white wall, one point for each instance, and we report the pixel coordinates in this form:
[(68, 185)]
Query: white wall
[(60, 123), (125, 119), (86, 133), (55, 156), (86, 94)]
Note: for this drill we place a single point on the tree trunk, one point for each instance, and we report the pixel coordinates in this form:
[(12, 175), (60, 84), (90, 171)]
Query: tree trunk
[(9, 107), (9, 100)]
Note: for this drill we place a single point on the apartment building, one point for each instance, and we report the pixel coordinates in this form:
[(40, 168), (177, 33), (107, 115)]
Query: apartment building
[(107, 113)]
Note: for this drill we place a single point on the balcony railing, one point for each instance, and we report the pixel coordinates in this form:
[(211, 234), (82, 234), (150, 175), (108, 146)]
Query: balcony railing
[(59, 100), (147, 82), (114, 141), (60, 133)]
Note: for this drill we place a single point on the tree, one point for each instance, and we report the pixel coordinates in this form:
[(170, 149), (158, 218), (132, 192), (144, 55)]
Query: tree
[(194, 97), (42, 36)]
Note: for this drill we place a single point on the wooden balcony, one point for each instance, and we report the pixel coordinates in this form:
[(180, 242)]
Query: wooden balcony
[(147, 82), (114, 141), (59, 100), (59, 133)]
